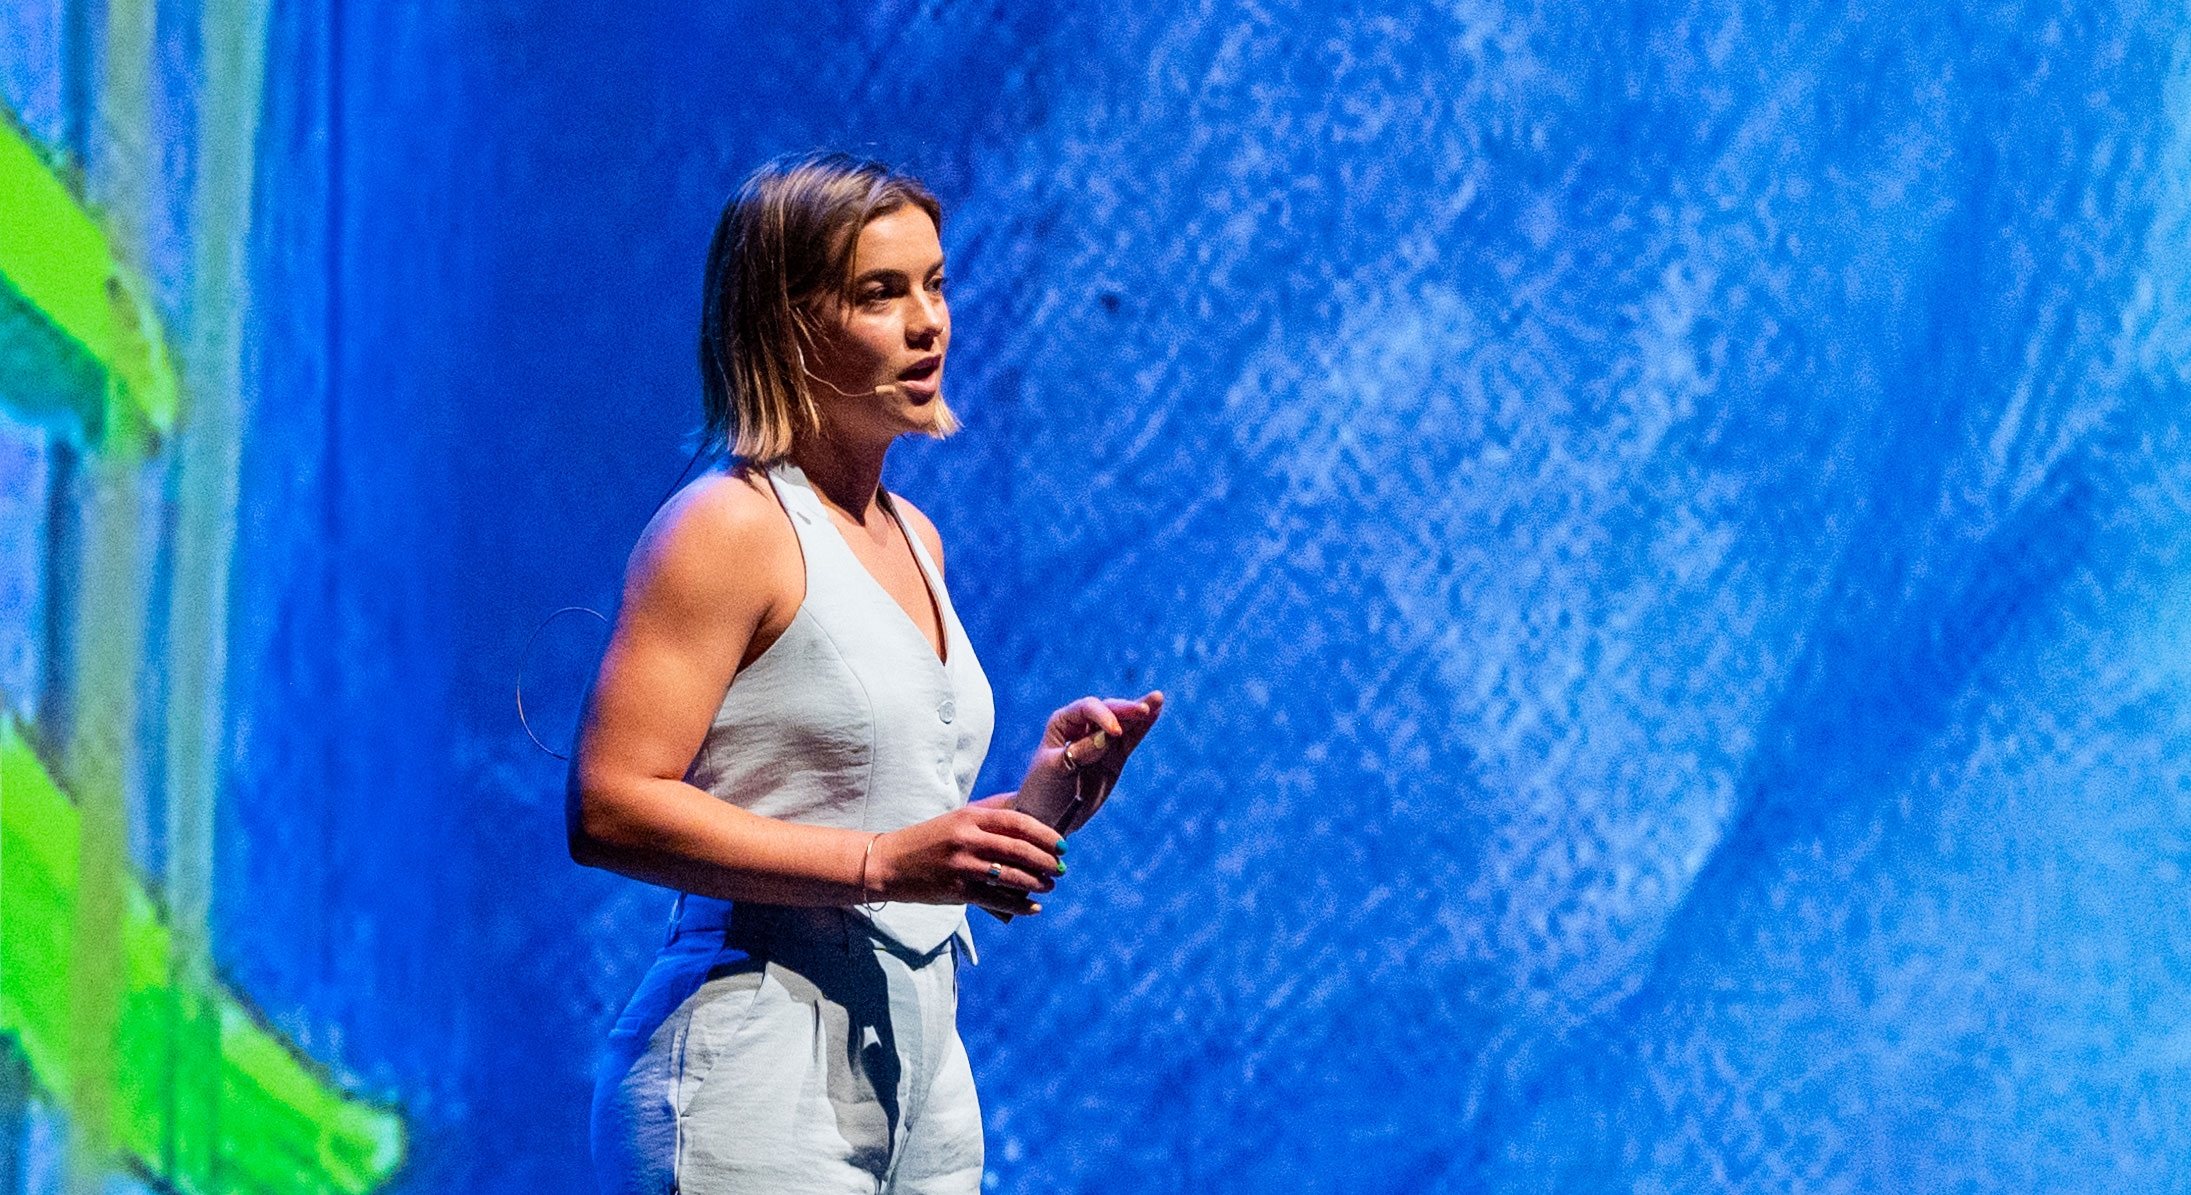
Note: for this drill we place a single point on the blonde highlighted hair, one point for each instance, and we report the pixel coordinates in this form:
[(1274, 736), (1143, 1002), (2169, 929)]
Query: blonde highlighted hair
[(783, 243)]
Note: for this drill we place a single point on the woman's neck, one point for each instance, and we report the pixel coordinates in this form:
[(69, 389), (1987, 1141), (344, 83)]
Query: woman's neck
[(846, 477)]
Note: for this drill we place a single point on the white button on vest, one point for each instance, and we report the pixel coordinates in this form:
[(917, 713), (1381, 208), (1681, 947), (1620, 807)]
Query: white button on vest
[(947, 711)]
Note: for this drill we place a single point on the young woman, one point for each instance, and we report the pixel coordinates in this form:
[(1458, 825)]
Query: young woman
[(788, 723)]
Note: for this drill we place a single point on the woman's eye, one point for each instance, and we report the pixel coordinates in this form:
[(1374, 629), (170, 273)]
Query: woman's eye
[(935, 285)]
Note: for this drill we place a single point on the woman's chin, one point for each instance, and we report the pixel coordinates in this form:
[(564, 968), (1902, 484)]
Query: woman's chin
[(922, 412)]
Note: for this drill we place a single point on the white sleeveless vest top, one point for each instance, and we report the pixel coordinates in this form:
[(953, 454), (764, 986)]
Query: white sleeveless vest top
[(849, 719)]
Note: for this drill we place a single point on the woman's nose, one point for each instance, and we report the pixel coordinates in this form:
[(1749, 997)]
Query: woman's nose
[(929, 317)]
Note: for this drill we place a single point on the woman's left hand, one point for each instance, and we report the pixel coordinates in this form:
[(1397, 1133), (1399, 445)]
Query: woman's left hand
[(1084, 748)]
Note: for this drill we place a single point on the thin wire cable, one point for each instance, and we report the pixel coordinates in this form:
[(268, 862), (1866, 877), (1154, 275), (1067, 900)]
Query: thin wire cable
[(523, 659), (698, 451)]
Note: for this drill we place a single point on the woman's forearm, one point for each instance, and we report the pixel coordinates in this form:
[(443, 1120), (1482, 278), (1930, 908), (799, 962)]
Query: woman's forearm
[(670, 833)]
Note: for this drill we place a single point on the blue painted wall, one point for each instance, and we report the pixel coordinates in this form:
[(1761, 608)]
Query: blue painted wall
[(1665, 525)]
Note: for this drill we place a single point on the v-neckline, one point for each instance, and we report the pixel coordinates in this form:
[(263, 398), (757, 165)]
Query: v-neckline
[(941, 648), (939, 651)]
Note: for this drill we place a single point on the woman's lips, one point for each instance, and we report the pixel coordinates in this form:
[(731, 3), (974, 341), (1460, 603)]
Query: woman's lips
[(924, 377)]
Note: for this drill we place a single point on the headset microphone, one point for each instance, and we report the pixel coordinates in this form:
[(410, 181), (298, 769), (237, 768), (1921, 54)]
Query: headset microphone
[(886, 390)]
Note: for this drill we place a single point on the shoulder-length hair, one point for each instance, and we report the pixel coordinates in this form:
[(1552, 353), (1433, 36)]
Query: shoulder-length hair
[(784, 241)]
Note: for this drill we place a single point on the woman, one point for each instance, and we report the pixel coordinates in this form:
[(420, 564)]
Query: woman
[(786, 728)]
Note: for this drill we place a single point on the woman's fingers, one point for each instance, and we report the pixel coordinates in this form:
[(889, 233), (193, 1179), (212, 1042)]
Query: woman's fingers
[(1084, 751), (1012, 824), (997, 875), (1137, 716), (1010, 869), (1110, 748), (1097, 712), (1002, 900), (1014, 862), (1079, 719), (1115, 717), (1016, 850)]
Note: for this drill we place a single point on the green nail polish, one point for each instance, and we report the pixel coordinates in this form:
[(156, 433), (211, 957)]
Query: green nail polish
[(1061, 869)]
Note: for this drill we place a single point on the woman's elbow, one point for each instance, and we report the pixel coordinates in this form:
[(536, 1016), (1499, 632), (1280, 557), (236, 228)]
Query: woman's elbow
[(589, 825), (585, 850)]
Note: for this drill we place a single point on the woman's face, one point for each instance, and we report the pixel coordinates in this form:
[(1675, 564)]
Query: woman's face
[(881, 357)]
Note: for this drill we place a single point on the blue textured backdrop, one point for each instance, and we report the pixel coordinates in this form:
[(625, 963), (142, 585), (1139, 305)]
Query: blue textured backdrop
[(1665, 525)]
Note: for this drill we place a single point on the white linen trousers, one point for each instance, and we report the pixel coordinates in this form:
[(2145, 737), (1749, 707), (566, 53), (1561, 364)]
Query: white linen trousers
[(797, 1051)]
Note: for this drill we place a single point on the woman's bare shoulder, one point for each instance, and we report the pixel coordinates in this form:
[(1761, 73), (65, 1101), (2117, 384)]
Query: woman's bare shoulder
[(721, 538)]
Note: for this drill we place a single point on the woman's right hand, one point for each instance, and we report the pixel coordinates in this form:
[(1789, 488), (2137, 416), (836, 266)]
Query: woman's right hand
[(983, 854)]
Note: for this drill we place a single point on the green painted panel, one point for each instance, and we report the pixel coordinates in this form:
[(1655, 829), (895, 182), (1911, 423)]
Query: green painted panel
[(207, 1097), (46, 378), (68, 299)]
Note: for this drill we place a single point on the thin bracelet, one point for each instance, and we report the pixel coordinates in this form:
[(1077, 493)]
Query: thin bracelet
[(864, 857)]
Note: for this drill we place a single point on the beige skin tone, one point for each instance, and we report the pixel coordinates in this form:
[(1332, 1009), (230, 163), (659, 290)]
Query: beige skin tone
[(687, 624)]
